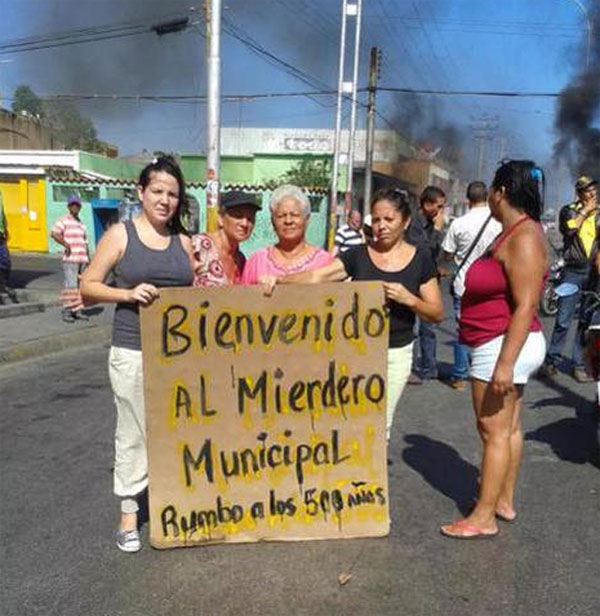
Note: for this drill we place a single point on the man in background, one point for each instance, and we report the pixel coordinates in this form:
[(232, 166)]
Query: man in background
[(467, 238), (577, 225), (349, 234), (70, 233), (5, 263), (426, 231)]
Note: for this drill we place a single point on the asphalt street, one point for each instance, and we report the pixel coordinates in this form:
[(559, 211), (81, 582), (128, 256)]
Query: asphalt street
[(58, 516)]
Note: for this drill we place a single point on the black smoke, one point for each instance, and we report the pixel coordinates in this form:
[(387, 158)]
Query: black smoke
[(578, 143)]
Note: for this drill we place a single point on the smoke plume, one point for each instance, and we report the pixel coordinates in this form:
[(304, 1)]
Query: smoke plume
[(578, 108)]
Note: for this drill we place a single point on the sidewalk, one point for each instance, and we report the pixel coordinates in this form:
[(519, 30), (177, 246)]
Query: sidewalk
[(34, 327)]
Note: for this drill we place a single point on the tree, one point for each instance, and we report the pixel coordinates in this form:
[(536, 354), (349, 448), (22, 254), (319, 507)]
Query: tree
[(309, 173), (24, 99), (72, 128)]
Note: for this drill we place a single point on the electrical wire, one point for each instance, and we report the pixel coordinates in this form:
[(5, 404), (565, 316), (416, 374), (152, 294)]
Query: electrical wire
[(85, 35), (249, 97)]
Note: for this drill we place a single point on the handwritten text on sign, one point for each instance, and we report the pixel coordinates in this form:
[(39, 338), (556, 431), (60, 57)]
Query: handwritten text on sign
[(266, 416)]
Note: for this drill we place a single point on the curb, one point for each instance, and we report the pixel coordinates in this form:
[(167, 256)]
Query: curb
[(22, 309), (90, 336)]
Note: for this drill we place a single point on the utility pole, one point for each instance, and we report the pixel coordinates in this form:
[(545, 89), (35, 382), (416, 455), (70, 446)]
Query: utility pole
[(349, 9), (352, 132), (485, 128), (373, 75), (482, 139), (502, 148), (213, 139)]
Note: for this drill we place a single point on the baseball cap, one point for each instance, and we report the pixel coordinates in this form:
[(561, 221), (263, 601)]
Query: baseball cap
[(237, 197), (73, 199), (585, 182)]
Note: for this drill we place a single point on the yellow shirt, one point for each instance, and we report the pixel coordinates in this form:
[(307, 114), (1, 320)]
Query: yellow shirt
[(586, 233)]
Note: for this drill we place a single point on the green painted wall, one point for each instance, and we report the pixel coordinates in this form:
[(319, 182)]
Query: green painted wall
[(112, 167), (256, 170)]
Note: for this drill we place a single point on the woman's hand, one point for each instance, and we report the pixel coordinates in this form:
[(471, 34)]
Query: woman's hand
[(268, 283), (502, 379), (398, 293), (143, 294), (71, 299)]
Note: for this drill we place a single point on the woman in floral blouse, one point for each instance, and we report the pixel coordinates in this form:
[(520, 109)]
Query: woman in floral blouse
[(219, 259)]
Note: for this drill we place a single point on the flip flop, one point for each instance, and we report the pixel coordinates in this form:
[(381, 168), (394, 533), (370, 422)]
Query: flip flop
[(466, 530)]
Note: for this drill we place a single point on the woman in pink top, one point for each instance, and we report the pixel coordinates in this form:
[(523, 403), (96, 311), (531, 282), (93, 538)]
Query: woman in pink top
[(219, 259), (290, 214), (499, 321)]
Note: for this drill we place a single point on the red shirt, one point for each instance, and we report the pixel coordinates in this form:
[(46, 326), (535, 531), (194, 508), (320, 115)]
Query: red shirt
[(487, 305), (72, 232)]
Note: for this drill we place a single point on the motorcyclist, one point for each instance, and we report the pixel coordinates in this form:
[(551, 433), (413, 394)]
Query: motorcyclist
[(590, 317), (577, 225)]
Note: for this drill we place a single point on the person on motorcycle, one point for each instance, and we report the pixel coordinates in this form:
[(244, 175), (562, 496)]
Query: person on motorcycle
[(577, 225), (589, 329)]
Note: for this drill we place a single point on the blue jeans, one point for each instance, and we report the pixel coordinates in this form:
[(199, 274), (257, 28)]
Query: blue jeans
[(462, 355), (426, 363), (567, 308), (5, 265)]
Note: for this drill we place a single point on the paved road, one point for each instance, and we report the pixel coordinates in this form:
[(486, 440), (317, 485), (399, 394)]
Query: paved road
[(57, 516)]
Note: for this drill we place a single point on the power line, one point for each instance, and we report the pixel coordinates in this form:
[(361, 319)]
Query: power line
[(230, 28), (94, 34), (471, 93), (249, 97)]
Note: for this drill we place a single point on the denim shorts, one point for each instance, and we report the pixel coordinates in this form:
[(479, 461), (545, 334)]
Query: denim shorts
[(531, 357)]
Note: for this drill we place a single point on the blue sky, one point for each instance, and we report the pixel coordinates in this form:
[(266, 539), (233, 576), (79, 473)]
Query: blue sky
[(484, 45)]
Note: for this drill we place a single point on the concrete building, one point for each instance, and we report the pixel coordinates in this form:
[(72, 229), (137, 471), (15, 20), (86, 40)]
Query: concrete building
[(35, 185), (20, 131)]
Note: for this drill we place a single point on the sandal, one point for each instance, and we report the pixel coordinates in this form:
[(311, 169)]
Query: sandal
[(462, 529)]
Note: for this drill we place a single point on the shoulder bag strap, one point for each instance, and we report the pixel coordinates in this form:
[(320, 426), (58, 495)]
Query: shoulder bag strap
[(473, 244)]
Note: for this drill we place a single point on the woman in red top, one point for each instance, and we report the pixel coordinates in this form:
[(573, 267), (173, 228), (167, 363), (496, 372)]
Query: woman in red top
[(499, 321)]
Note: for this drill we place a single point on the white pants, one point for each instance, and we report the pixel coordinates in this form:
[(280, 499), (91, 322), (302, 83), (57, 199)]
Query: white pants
[(398, 371), (131, 462)]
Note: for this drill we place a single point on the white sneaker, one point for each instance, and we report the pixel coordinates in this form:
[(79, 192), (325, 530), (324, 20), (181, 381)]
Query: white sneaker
[(129, 540)]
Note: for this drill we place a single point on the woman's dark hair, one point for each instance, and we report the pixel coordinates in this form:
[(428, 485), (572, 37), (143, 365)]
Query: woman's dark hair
[(524, 184), (169, 165), (398, 198)]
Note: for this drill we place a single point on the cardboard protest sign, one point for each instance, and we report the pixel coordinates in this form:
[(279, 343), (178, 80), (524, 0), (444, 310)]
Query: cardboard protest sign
[(266, 415)]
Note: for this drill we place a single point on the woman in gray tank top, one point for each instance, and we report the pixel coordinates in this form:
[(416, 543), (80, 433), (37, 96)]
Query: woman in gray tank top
[(147, 253)]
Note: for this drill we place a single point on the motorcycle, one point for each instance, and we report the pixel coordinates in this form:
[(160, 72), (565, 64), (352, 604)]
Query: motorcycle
[(591, 335), (549, 298), (590, 328)]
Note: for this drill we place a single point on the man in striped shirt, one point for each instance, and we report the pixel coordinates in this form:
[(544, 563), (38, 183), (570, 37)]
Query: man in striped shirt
[(349, 235), (69, 231)]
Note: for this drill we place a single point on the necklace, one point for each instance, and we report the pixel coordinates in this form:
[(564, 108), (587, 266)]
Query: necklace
[(287, 262)]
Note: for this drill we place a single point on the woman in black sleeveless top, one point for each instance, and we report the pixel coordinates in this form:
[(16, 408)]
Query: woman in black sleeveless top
[(149, 252)]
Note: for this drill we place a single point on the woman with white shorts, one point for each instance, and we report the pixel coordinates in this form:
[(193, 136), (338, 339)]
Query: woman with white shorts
[(498, 320)]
